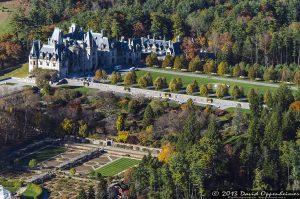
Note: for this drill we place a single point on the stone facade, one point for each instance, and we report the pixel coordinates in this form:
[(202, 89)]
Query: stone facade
[(80, 52)]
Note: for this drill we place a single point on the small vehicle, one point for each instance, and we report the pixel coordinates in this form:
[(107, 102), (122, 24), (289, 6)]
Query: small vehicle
[(118, 67), (132, 69), (62, 81)]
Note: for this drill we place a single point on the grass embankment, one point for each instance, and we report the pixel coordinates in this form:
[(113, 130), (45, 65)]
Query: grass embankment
[(187, 80), (116, 167), (81, 89), (42, 155), (33, 191), (19, 71)]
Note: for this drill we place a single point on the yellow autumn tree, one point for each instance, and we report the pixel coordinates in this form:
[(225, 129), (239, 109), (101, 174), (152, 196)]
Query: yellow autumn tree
[(122, 136), (166, 152)]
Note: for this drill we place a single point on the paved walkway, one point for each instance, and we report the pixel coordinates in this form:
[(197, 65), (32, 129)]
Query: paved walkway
[(179, 98), (212, 77)]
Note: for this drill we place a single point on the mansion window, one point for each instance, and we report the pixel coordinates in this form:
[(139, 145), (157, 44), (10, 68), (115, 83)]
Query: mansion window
[(54, 64), (41, 62), (47, 64), (33, 62)]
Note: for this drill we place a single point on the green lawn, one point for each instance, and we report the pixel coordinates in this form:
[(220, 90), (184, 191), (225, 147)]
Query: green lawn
[(117, 166), (42, 155), (19, 71), (33, 191), (12, 189), (232, 109), (80, 89), (187, 79), (7, 9)]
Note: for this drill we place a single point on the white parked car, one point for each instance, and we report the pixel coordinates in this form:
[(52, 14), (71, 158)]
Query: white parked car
[(132, 69), (118, 67)]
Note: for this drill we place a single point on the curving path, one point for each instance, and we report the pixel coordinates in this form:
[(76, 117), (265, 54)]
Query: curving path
[(212, 77)]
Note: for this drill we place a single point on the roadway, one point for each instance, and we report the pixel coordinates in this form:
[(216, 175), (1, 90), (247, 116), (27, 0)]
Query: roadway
[(179, 98)]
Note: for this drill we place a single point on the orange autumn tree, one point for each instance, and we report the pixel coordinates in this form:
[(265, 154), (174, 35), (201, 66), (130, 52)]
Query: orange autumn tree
[(190, 48), (295, 106), (10, 51), (166, 152)]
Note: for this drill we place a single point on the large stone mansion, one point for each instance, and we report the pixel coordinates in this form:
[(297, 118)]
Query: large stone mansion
[(79, 51)]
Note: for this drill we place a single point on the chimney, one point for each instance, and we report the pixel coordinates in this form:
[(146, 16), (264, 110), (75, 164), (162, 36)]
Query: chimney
[(148, 36), (102, 33)]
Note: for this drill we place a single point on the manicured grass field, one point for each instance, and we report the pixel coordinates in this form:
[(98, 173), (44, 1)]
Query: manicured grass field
[(117, 166), (80, 89), (42, 155), (187, 79), (21, 72)]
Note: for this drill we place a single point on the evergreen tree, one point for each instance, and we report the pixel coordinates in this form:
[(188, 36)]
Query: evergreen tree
[(91, 193), (167, 188), (283, 98), (268, 99), (235, 92), (148, 116), (255, 103), (102, 192), (258, 184), (82, 194)]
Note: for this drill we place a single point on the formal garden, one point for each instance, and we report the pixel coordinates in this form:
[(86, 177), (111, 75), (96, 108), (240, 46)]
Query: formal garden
[(32, 159)]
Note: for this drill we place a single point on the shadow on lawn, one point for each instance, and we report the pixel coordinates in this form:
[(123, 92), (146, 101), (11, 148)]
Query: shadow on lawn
[(7, 69)]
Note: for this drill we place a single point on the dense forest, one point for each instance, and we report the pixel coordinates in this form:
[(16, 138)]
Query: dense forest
[(258, 31)]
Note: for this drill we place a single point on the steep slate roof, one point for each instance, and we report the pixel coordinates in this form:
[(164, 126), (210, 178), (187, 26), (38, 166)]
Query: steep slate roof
[(163, 44), (35, 49), (57, 36), (102, 43)]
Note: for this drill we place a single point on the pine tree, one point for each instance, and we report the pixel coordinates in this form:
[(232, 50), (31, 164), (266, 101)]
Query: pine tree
[(167, 189), (268, 99), (148, 116), (82, 194), (102, 192), (258, 184), (91, 193)]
